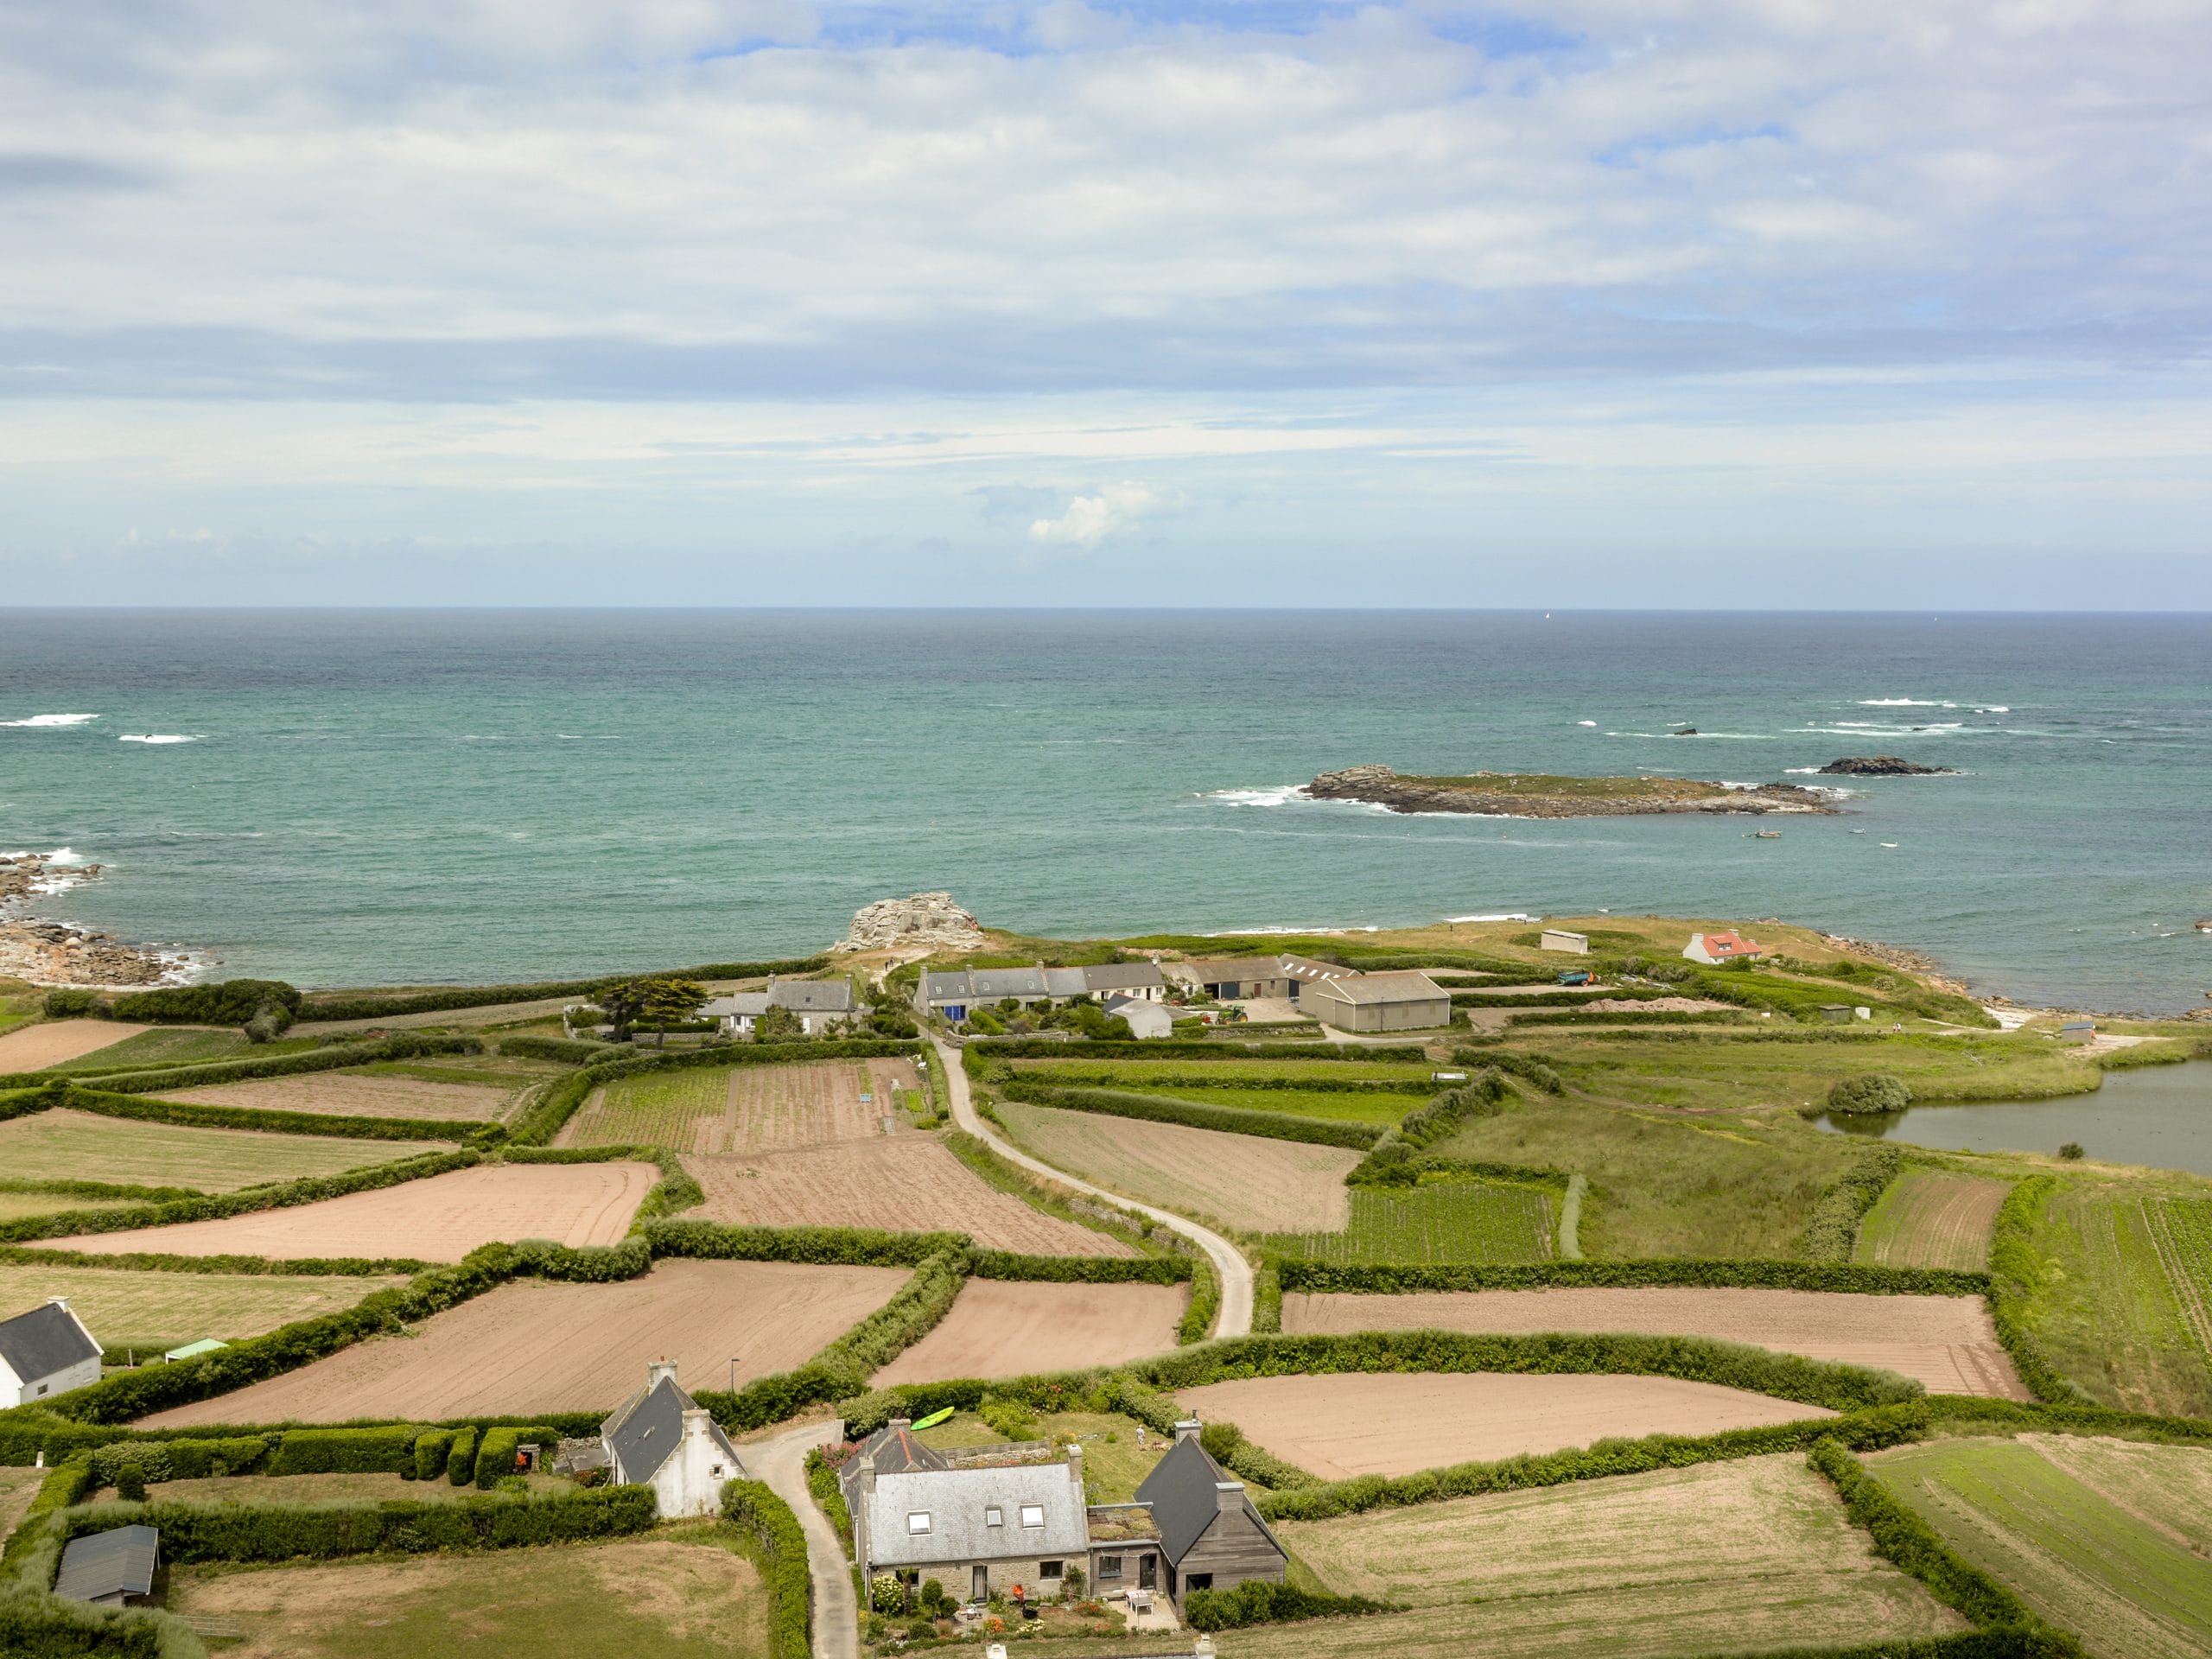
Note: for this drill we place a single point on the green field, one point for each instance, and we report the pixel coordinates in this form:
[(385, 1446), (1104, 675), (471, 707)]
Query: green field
[(2101, 1539), (656, 1108), (179, 1045), (13, 1206), (1382, 1109), (687, 1594), (2110, 1311), (60, 1146), (1448, 1222), (1399, 1077), (1931, 1218), (125, 1308), (1750, 1554)]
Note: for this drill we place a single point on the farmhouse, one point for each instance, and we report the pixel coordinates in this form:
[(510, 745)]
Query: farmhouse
[(1212, 1536), (1727, 945), (660, 1437), (46, 1351), (1404, 1001), (952, 994), (1232, 979), (816, 1002), (978, 1531), (113, 1569)]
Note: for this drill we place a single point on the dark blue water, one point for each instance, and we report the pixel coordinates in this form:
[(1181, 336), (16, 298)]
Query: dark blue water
[(400, 796)]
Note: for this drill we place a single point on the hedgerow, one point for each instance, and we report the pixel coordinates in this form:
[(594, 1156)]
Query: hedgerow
[(1206, 1303), (1570, 998), (1233, 1120), (109, 1103), (2016, 1272), (33, 1626), (676, 1190), (1866, 1430), (1257, 1601), (1624, 1017), (1039, 1048), (1081, 1269), (782, 1543), (461, 1457), (182, 1460), (1852, 1276), (1527, 1067), (1832, 1230), (1903, 1537), (854, 1247), (1698, 1359), (1081, 1077), (219, 1002), (388, 1450), (495, 1453), (332, 1005), (568, 1050), (829, 1497), (433, 1450)]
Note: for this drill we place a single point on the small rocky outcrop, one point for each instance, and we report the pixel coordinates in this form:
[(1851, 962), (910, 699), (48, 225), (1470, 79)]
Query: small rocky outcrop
[(54, 953), (1881, 766), (1520, 795), (922, 920)]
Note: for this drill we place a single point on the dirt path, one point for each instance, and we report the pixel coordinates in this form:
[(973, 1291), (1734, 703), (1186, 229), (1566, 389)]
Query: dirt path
[(780, 1464), (50, 1042), (1229, 1263)]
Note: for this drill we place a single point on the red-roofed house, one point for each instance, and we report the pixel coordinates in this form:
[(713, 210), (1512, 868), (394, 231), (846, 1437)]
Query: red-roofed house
[(1726, 946)]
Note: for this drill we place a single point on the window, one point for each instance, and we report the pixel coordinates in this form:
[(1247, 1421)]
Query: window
[(1109, 1567), (918, 1522), (994, 1517), (1048, 1569), (716, 1472), (1032, 1515), (1198, 1581)]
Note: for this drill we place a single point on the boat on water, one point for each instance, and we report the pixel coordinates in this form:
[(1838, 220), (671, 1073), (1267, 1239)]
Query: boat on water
[(2205, 926), (1768, 835), (1888, 844)]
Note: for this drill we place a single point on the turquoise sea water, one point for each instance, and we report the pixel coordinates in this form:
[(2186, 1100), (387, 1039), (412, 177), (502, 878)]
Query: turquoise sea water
[(377, 797)]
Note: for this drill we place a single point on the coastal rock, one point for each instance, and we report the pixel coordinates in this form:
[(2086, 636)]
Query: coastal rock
[(1881, 766), (1523, 796), (929, 920), (55, 953)]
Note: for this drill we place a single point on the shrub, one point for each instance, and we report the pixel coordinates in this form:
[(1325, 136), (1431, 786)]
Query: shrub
[(821, 1481), (220, 1003), (386, 1450), (131, 1481), (1221, 1441), (461, 1462), (2071, 1152), (782, 1543), (71, 1004), (1869, 1092), (1010, 1418), (1833, 1230), (1257, 1601)]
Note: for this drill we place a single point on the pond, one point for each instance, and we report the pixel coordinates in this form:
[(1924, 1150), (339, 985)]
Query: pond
[(2160, 1116)]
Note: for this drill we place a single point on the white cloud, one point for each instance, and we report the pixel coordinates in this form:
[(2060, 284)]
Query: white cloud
[(1090, 519)]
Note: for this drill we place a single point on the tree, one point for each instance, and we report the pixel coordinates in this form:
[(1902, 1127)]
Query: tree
[(778, 1026), (659, 1000), (1871, 1091)]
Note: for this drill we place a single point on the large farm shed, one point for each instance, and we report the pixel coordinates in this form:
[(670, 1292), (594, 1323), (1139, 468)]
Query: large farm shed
[(1406, 1001)]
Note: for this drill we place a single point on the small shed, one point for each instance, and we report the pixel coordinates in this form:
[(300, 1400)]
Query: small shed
[(1147, 1020), (1836, 1013), (1558, 938), (45, 1352), (113, 1569), (2078, 1031)]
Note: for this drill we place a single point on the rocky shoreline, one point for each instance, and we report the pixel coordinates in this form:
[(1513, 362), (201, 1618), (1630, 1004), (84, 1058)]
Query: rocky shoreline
[(1511, 796), (59, 954), (1883, 765)]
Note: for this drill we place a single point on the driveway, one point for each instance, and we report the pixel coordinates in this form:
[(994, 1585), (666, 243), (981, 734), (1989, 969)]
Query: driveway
[(780, 1465)]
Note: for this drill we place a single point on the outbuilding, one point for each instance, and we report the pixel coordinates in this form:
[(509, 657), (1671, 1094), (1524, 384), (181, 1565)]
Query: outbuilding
[(113, 1569), (1239, 979), (1148, 1022), (1403, 1001), (1558, 938), (45, 1352)]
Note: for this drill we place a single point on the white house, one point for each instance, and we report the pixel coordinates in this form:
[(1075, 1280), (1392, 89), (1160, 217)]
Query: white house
[(978, 1532), (1728, 945), (45, 1352), (817, 1002), (661, 1438)]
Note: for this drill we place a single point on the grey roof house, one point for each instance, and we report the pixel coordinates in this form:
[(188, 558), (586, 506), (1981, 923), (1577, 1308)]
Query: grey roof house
[(113, 1569), (45, 1352), (978, 1532), (1211, 1534), (892, 1449), (817, 1002), (660, 1437)]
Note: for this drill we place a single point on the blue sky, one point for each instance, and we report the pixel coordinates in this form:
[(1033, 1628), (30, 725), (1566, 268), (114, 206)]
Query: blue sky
[(1757, 302)]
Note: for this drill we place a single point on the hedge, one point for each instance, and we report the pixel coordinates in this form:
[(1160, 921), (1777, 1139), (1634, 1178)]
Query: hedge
[(243, 1532), (1626, 1017), (432, 1449), (1697, 1359), (182, 1460), (1232, 1120), (1106, 1076), (495, 1453), (345, 1452), (1860, 1277), (1566, 997), (829, 1497), (1206, 1303), (568, 1050), (47, 1627), (782, 1543), (308, 1189), (1081, 1269), (1527, 1067), (1831, 1231), (329, 1005), (112, 1103), (219, 1002), (676, 1190), (1040, 1048), (406, 1046), (460, 1458), (854, 1247), (2016, 1272), (1257, 1601), (1902, 1536)]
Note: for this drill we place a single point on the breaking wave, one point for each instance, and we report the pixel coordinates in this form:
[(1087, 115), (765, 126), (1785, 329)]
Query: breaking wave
[(51, 720), (161, 737)]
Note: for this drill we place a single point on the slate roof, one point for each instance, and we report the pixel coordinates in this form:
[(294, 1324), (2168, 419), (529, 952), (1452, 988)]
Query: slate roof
[(896, 1452), (949, 987), (1407, 985), (1220, 969), (989, 984), (737, 1005), (1182, 1490), (1067, 982), (1121, 976), (45, 1340), (812, 995), (956, 1500), (108, 1565), (649, 1425)]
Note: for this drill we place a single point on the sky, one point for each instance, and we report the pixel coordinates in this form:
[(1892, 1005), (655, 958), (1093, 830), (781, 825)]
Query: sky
[(1867, 304)]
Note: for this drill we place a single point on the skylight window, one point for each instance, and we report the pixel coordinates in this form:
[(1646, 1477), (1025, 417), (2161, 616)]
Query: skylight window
[(1032, 1515), (994, 1516), (918, 1522)]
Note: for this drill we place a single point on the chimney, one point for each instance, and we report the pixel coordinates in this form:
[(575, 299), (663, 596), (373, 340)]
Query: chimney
[(1187, 1430), (695, 1421), (901, 1425), (659, 1371), (867, 1473), (1075, 1471), (1229, 1496)]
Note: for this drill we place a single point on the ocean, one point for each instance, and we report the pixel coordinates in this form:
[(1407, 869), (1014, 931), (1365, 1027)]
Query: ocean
[(378, 796)]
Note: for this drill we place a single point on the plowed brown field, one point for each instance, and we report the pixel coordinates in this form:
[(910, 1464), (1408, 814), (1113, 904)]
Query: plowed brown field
[(1945, 1342), (537, 1346), (340, 1094), (1244, 1182), (1932, 1218), (1000, 1328), (908, 1183), (440, 1220), (51, 1041), (1392, 1423)]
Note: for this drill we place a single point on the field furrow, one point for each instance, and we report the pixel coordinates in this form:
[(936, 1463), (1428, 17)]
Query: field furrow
[(1932, 1218)]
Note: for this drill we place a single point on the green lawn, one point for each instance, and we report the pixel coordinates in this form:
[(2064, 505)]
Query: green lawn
[(74, 1145), (1449, 1222), (685, 1593), (13, 1206), (1113, 1465), (2090, 1545), (2115, 1316), (179, 1045), (655, 1108)]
